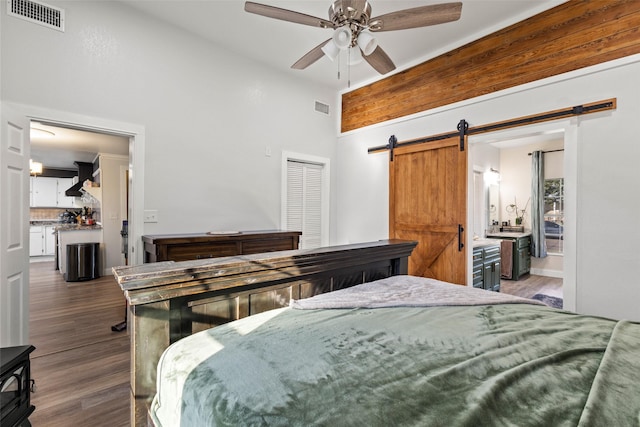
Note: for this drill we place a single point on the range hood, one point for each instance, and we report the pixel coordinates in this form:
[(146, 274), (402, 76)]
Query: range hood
[(85, 171)]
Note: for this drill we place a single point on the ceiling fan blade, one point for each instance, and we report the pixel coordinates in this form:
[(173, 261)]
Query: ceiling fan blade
[(380, 61), (310, 57), (286, 15), (417, 17)]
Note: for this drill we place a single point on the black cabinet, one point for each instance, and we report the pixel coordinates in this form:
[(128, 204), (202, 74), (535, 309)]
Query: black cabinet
[(15, 386), (486, 267)]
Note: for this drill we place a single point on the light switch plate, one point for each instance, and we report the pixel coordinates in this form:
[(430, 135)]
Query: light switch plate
[(151, 216)]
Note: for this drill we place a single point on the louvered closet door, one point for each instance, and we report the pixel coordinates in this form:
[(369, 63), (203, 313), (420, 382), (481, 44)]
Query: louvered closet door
[(427, 191), (304, 202)]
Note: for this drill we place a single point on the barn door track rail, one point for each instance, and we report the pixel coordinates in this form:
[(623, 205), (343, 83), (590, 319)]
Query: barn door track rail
[(463, 128)]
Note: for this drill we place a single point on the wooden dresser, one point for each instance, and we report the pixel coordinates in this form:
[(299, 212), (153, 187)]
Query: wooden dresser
[(183, 247)]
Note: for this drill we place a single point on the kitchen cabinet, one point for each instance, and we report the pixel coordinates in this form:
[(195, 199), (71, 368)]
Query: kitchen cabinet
[(36, 243), (486, 267), (65, 201), (42, 241), (49, 192), (183, 247), (49, 240)]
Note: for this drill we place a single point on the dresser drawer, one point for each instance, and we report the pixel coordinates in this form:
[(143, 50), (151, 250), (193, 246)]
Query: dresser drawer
[(201, 251), (477, 257), (478, 277)]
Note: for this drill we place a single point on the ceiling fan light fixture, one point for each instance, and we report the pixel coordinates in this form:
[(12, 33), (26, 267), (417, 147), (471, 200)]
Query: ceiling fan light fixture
[(342, 37), (355, 56), (367, 42), (330, 50)]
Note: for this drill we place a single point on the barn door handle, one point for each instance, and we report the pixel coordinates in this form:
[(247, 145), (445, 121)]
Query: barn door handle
[(460, 244)]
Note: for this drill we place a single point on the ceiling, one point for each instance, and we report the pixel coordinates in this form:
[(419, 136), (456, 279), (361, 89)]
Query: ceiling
[(58, 147), (279, 44)]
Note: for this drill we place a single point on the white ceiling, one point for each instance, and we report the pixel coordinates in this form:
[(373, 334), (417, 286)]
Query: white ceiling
[(63, 146), (278, 44)]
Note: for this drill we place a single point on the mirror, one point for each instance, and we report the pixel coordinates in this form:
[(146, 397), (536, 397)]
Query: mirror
[(493, 204)]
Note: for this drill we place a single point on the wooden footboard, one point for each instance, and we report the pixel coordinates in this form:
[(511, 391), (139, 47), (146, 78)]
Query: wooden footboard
[(172, 300)]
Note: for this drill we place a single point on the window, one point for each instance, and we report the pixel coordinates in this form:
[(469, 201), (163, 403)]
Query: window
[(305, 199), (554, 214)]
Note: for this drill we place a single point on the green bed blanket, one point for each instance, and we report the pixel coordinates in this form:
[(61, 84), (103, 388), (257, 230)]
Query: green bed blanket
[(487, 365)]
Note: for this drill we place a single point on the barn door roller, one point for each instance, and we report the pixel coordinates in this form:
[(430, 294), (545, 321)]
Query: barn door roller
[(463, 127)]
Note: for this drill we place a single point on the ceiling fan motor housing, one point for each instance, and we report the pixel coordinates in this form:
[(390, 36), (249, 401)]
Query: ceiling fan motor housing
[(353, 14)]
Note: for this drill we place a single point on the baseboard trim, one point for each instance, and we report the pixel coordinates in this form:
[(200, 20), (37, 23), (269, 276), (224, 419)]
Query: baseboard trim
[(547, 273)]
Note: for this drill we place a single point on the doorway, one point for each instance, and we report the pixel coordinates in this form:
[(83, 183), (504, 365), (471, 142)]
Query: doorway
[(493, 152), (22, 115)]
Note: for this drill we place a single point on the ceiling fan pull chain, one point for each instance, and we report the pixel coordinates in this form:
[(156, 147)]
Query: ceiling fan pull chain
[(348, 68)]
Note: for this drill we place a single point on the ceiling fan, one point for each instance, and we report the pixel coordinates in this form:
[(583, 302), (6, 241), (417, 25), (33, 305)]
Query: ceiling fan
[(354, 28)]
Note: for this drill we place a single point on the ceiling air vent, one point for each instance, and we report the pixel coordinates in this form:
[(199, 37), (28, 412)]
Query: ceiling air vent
[(321, 107), (40, 13)]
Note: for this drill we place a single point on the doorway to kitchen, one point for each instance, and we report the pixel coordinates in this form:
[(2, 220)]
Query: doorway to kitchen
[(77, 184), (16, 119)]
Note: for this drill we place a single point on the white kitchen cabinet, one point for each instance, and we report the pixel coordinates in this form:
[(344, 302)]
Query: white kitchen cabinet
[(42, 241), (49, 192), (36, 242), (65, 201), (45, 192), (49, 240)]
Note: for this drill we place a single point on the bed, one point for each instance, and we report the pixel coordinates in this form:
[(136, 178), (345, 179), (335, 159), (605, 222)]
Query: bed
[(168, 301), (342, 336), (405, 351)]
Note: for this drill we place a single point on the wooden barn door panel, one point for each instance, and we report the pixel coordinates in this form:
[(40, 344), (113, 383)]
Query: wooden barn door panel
[(428, 191)]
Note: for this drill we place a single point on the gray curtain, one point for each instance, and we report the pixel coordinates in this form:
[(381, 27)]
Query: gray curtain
[(538, 241)]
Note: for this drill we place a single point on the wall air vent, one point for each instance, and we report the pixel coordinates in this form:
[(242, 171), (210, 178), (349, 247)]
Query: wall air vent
[(321, 107), (37, 12)]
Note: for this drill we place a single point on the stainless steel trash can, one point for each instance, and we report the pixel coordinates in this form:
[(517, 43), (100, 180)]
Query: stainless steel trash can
[(82, 262)]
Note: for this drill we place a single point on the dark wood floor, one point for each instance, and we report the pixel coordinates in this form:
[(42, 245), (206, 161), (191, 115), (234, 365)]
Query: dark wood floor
[(80, 366)]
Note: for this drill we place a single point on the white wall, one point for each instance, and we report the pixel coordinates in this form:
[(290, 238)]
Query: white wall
[(606, 155), (208, 114)]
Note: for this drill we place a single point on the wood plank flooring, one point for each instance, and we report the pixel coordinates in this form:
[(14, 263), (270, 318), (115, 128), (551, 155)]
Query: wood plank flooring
[(531, 284), (80, 366)]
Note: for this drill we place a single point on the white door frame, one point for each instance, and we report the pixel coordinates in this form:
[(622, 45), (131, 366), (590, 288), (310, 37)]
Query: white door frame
[(136, 135)]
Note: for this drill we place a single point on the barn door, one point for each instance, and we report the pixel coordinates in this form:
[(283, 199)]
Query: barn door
[(428, 204)]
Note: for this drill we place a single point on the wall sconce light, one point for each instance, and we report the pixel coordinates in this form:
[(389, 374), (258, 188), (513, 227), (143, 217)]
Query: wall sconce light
[(492, 176), (35, 168)]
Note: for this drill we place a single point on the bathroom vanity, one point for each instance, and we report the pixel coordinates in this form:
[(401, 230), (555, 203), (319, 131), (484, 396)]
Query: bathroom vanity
[(516, 251)]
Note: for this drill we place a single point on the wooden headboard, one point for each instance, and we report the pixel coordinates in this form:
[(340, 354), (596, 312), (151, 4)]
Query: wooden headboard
[(171, 300)]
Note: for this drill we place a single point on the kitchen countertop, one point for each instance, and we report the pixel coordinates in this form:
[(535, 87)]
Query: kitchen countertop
[(43, 221), (509, 235), (479, 243), (76, 227)]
